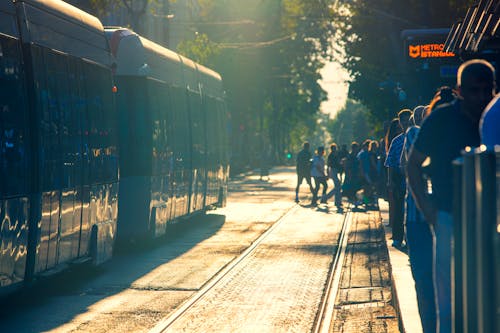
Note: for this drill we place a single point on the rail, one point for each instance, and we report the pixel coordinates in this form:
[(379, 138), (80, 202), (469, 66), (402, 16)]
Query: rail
[(476, 244)]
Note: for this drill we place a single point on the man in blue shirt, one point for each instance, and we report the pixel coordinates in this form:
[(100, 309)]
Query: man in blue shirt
[(490, 123), (395, 179), (444, 133)]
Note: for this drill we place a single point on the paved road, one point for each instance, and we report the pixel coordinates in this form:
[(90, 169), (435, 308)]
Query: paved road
[(133, 292), (276, 288)]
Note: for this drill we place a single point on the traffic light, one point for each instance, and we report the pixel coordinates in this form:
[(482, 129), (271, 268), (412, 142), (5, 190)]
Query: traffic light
[(288, 155)]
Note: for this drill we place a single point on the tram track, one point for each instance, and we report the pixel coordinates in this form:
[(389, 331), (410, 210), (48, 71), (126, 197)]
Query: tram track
[(326, 313), (166, 323)]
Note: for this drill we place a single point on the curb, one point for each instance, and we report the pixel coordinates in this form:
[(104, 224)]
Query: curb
[(403, 285)]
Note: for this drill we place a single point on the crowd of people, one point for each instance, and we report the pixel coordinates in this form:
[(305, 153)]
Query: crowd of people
[(356, 173), (412, 169)]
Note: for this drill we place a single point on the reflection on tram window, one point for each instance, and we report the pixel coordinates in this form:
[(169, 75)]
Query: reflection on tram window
[(13, 175)]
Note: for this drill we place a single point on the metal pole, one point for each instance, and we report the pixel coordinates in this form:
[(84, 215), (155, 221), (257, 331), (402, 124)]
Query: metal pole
[(469, 304), (485, 235), (456, 268)]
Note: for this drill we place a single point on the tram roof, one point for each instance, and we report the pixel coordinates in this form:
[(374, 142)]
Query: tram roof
[(139, 56), (63, 27), (66, 12)]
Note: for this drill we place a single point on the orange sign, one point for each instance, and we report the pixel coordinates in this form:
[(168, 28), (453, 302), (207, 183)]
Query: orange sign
[(428, 51)]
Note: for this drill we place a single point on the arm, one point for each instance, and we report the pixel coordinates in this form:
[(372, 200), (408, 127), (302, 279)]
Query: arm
[(418, 185)]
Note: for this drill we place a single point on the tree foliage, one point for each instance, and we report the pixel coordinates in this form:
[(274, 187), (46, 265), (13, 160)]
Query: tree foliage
[(369, 36), (352, 123), (271, 52)]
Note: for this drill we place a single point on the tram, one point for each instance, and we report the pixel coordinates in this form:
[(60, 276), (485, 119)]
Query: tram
[(93, 149), (173, 150)]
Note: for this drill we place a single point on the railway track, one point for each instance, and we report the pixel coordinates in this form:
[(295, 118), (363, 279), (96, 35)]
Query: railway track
[(320, 321)]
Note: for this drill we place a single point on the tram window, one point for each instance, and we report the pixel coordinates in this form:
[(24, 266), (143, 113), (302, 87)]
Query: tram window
[(197, 130), (8, 25), (97, 123), (108, 136), (212, 132), (13, 121), (66, 134), (181, 130), (51, 156)]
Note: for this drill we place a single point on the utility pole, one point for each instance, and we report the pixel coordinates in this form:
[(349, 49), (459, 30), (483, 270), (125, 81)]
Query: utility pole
[(168, 17)]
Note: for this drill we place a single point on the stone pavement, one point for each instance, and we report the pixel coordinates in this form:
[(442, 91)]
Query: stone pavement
[(402, 280), (133, 293), (277, 288), (365, 299)]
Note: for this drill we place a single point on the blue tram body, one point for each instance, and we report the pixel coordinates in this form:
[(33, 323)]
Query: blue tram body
[(60, 174), (172, 146), (62, 131)]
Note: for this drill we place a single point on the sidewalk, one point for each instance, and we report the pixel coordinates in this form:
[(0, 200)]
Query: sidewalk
[(402, 280)]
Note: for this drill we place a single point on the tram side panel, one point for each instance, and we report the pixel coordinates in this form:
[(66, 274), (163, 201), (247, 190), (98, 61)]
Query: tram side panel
[(14, 154), (162, 152), (135, 159), (74, 144)]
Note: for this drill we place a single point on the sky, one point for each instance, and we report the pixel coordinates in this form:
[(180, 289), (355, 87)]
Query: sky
[(333, 82)]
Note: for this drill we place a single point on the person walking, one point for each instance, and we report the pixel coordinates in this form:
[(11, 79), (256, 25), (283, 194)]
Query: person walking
[(303, 169), (443, 135), (319, 175), (334, 168)]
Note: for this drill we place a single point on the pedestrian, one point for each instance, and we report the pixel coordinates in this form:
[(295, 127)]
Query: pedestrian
[(490, 123), (396, 181), (365, 172), (375, 174), (443, 135), (265, 164), (351, 180), (319, 175), (343, 153), (393, 130), (303, 169), (419, 239), (334, 169)]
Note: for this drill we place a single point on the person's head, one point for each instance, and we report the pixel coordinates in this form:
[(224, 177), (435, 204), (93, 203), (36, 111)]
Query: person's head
[(373, 146), (354, 147), (366, 144), (476, 85), (306, 145), (333, 147), (392, 131), (442, 96), (446, 94), (404, 117), (320, 150), (418, 114)]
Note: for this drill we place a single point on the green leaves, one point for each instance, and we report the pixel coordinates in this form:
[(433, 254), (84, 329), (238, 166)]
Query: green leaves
[(369, 33), (269, 53)]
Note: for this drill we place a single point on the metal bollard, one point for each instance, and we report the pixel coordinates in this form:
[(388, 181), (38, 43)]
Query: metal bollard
[(485, 236), (456, 263), (496, 241), (469, 283)]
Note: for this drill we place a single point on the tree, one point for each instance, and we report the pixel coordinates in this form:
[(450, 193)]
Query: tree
[(368, 35), (136, 8), (270, 57), (352, 123)]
